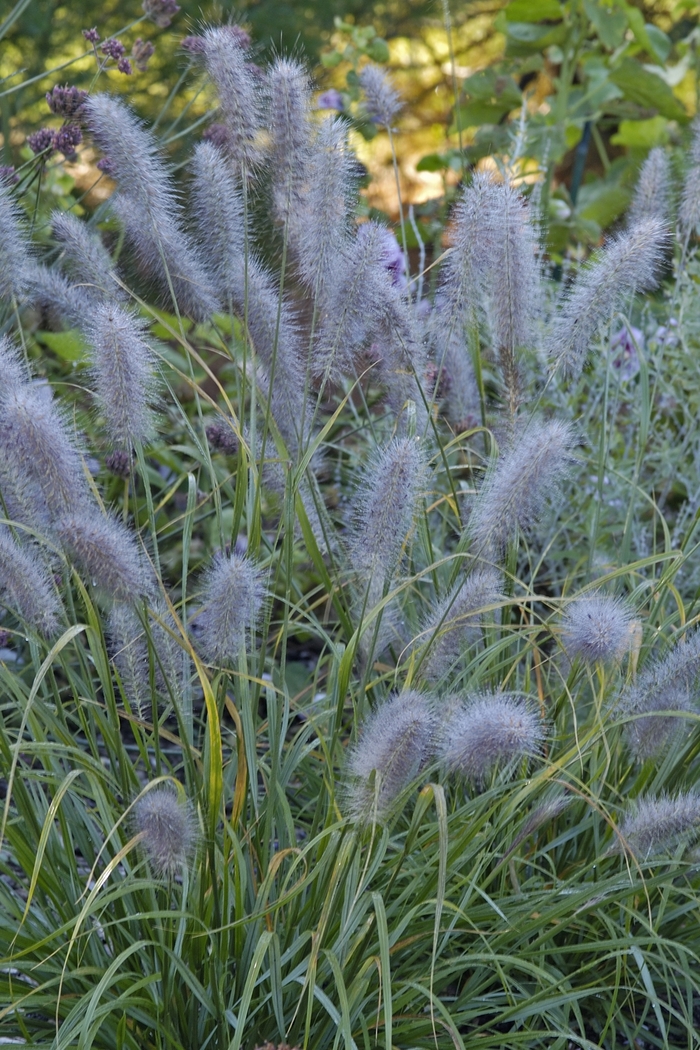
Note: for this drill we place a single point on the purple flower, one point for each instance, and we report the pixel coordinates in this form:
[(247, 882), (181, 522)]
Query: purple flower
[(113, 49), (66, 139), (330, 99), (161, 12), (124, 66), (141, 52), (625, 358), (40, 141), (217, 134), (92, 36), (66, 101), (106, 166)]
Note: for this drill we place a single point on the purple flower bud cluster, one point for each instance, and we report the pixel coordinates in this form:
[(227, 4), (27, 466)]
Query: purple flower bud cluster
[(92, 36), (66, 101), (41, 140), (64, 140), (113, 49), (141, 51), (161, 12)]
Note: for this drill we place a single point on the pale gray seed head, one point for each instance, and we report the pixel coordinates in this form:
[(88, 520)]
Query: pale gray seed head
[(656, 825), (106, 553), (85, 258), (26, 586), (232, 602), (382, 100), (123, 368), (629, 262), (15, 257), (66, 304), (454, 624), (652, 194), (129, 648), (13, 367), (217, 204), (395, 744), (517, 485), (169, 830), (689, 211), (490, 731), (228, 65), (597, 628), (289, 89)]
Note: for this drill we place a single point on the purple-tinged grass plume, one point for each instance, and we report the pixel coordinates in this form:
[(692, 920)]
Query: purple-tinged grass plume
[(123, 368), (232, 602), (129, 648), (64, 303), (518, 483), (668, 684), (597, 628), (26, 588), (384, 512), (85, 259), (148, 208), (289, 89), (658, 824), (395, 744), (13, 367), (454, 624), (382, 100), (629, 262), (652, 194), (490, 731), (169, 830), (227, 61), (15, 257), (106, 553), (689, 210)]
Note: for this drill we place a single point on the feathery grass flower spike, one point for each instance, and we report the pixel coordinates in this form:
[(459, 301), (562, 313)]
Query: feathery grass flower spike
[(26, 586), (232, 602), (457, 620), (382, 101), (107, 553), (597, 628), (655, 825), (652, 194), (168, 828), (491, 730)]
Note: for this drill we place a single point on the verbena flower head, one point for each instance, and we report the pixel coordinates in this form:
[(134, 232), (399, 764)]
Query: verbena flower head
[(141, 52), (161, 12), (113, 49), (597, 628), (41, 141), (652, 194), (454, 625), (106, 552), (395, 744), (66, 139), (490, 731), (668, 684), (124, 371), (382, 101), (92, 36), (227, 61), (169, 830), (516, 486), (232, 602), (25, 586), (67, 101), (629, 262), (657, 824), (147, 206)]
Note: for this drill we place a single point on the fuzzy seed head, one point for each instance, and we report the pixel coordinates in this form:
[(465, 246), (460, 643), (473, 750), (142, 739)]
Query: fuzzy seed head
[(228, 64), (490, 731), (232, 599), (517, 485), (129, 648), (106, 552), (13, 368), (628, 263), (382, 101), (65, 304), (597, 628), (290, 127), (454, 625), (85, 258), (26, 587), (394, 746), (652, 194), (15, 255), (656, 825), (168, 828), (123, 370)]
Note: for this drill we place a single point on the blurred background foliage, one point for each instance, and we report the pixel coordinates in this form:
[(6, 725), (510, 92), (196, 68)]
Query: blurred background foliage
[(575, 91)]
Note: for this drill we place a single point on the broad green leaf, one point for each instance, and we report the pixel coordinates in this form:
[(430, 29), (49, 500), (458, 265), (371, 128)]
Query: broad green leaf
[(69, 345), (491, 86), (476, 113), (646, 89), (610, 22), (534, 11), (601, 203), (643, 134)]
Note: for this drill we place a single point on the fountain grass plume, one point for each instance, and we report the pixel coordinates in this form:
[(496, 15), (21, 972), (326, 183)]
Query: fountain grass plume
[(668, 684), (658, 824), (13, 367), (26, 588), (394, 746), (147, 206), (228, 64), (325, 219), (217, 205), (490, 731), (385, 507), (15, 252), (597, 628), (123, 368), (289, 89), (517, 485), (629, 262), (689, 210), (233, 596), (652, 194), (169, 830), (65, 303), (454, 624), (129, 648), (85, 258), (106, 552), (382, 100)]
